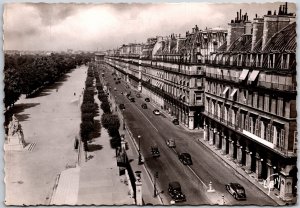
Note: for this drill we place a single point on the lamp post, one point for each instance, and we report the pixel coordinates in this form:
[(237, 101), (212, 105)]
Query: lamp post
[(140, 156)]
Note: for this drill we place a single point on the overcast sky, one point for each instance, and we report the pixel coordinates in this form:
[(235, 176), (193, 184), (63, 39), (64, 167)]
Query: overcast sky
[(105, 26)]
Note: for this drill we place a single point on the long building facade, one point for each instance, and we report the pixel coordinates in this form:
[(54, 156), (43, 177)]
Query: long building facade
[(238, 85)]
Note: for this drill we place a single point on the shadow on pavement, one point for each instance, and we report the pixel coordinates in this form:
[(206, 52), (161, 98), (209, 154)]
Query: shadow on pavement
[(17, 110), (94, 147)]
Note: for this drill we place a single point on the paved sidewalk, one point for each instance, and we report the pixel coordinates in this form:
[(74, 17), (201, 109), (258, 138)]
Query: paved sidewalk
[(100, 183), (50, 121), (66, 191)]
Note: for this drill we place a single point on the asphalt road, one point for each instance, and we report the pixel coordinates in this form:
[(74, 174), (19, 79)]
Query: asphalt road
[(194, 179)]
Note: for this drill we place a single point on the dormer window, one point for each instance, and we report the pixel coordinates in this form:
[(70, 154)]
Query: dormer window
[(271, 60)]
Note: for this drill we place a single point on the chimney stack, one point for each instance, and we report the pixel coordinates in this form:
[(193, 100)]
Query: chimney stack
[(274, 23), (240, 14)]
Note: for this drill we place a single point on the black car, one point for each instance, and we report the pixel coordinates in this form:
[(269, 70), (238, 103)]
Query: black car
[(175, 121), (122, 106), (144, 106), (185, 158), (155, 151), (132, 99), (175, 192), (236, 190), (147, 99)]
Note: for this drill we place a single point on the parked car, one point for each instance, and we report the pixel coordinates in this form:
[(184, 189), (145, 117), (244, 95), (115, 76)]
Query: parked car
[(147, 99), (155, 151), (144, 106), (185, 158), (236, 190), (175, 121), (156, 112), (115, 89), (175, 192), (132, 99), (171, 143), (128, 94), (138, 95), (122, 106)]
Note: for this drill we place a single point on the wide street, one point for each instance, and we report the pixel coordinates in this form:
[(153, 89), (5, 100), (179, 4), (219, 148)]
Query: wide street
[(194, 179)]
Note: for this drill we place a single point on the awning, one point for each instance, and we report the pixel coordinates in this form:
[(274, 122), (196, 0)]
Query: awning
[(253, 75), (226, 89), (244, 74), (233, 92)]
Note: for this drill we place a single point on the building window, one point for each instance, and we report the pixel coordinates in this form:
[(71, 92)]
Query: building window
[(262, 130), (268, 136), (257, 127), (267, 103), (281, 137), (247, 123)]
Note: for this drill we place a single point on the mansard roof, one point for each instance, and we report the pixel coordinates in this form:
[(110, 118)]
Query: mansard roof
[(284, 40), (241, 44), (223, 47)]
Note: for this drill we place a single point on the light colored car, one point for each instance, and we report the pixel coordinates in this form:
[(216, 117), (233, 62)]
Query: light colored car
[(156, 112), (171, 143)]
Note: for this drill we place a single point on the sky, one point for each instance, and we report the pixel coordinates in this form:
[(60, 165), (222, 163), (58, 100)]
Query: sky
[(91, 27)]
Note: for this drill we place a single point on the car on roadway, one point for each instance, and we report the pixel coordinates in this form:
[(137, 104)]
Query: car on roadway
[(236, 190), (175, 121), (115, 89), (132, 99), (185, 158), (144, 106), (156, 112), (171, 143), (175, 192), (147, 99), (155, 151), (122, 106), (138, 95)]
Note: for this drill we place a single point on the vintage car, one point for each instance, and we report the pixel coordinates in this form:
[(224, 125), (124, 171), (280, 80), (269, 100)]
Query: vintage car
[(185, 158), (175, 121), (144, 106), (236, 190), (171, 143), (175, 192), (155, 151), (156, 112)]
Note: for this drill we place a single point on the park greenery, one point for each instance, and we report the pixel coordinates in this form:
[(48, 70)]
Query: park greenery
[(26, 74), (88, 110), (109, 121)]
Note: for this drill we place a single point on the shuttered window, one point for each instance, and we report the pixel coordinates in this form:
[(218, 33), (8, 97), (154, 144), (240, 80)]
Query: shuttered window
[(246, 123)]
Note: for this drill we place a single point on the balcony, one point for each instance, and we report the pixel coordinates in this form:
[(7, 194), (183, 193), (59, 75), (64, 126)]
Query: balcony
[(282, 87)]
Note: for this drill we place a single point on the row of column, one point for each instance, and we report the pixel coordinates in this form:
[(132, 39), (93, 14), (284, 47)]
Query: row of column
[(234, 150)]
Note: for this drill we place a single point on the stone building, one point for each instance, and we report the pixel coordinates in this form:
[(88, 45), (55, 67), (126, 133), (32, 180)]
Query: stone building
[(239, 85), (250, 98)]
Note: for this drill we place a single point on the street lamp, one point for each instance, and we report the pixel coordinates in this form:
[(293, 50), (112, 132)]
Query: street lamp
[(140, 156)]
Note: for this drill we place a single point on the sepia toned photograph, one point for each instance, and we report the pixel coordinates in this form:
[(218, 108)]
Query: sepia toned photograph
[(190, 103)]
